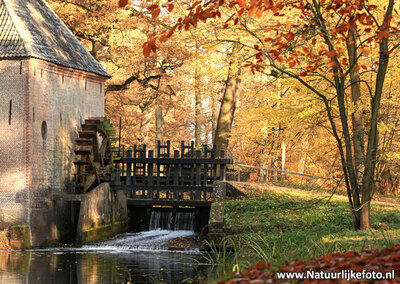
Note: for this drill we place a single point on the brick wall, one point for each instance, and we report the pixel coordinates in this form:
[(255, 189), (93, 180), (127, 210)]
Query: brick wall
[(51, 103), (13, 167)]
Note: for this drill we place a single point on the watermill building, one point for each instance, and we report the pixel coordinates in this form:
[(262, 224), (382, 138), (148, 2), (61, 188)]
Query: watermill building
[(49, 84)]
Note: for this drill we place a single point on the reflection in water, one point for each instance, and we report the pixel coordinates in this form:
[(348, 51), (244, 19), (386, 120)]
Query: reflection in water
[(107, 267), (127, 258)]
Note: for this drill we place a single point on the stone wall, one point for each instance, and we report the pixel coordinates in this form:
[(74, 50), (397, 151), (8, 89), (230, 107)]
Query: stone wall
[(103, 213)]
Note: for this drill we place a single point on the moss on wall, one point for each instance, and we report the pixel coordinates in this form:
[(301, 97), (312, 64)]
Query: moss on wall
[(103, 232), (20, 237)]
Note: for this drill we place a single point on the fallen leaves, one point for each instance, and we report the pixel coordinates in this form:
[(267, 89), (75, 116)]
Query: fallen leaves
[(383, 261)]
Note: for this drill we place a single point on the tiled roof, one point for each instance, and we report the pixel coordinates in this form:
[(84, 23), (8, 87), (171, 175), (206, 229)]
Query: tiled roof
[(29, 28)]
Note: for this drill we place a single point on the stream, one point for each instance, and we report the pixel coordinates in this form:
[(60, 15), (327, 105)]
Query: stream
[(128, 258), (165, 254)]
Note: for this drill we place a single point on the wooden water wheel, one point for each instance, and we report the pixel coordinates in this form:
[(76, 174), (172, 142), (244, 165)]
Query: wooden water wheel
[(93, 154)]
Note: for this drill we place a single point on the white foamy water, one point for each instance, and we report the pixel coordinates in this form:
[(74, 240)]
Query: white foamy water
[(155, 240)]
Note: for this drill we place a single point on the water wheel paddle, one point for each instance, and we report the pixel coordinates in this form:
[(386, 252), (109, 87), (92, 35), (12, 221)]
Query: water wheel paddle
[(93, 154)]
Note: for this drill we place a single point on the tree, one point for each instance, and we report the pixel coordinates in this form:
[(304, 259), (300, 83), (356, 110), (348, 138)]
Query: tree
[(322, 45), (228, 104)]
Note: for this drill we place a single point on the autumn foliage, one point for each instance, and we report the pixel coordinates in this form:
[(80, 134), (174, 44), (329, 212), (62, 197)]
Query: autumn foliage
[(382, 261)]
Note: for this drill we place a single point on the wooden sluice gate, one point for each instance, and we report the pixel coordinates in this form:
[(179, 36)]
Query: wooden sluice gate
[(184, 177)]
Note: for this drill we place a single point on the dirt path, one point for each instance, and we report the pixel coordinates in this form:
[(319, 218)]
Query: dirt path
[(247, 187)]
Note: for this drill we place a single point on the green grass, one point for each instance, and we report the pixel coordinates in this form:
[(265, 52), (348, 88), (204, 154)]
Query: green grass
[(278, 224)]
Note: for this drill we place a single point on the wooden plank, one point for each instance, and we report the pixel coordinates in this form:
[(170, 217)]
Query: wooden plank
[(184, 161), (180, 188), (188, 203)]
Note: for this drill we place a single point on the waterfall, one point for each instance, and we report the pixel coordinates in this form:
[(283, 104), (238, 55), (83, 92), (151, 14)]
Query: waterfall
[(184, 221), (165, 220), (161, 219)]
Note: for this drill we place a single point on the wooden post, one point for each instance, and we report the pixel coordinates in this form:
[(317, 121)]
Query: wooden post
[(197, 181), (198, 170), (158, 148), (119, 137), (129, 171), (238, 178), (150, 180), (222, 168), (123, 155), (176, 174)]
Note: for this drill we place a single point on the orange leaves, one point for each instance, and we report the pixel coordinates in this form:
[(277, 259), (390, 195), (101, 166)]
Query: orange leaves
[(152, 7), (252, 10), (379, 260), (155, 13), (241, 3), (364, 51), (149, 47), (331, 53), (289, 36), (170, 7), (155, 10), (382, 34), (123, 3)]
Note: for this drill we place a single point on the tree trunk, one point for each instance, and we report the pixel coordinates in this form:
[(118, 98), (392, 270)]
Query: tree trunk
[(304, 149), (368, 184), (283, 159), (197, 109), (213, 118), (228, 104), (357, 119), (159, 124)]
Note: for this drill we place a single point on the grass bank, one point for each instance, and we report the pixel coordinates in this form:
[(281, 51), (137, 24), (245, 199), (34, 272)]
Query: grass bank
[(278, 224)]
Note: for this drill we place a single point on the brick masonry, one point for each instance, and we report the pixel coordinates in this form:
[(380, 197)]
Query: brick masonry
[(49, 103)]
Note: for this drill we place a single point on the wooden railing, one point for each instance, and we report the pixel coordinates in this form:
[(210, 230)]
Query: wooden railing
[(187, 174), (265, 174)]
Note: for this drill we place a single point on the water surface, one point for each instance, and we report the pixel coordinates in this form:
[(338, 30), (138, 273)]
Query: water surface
[(129, 258)]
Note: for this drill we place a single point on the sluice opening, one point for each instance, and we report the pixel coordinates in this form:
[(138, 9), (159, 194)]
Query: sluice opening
[(148, 218), (172, 219)]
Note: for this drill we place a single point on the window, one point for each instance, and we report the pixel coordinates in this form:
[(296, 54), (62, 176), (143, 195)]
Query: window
[(10, 113), (44, 130)]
